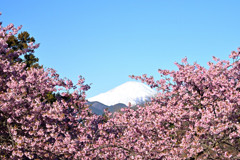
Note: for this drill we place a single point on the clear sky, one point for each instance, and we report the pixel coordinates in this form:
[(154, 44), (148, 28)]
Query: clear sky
[(107, 40)]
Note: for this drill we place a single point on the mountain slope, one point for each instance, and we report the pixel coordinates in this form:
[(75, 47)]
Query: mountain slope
[(133, 92), (97, 107)]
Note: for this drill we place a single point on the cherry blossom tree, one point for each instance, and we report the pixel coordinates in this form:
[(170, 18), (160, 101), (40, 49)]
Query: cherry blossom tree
[(195, 115), (31, 126)]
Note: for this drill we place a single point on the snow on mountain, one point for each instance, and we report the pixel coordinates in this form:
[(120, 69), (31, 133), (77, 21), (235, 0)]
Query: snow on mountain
[(133, 92)]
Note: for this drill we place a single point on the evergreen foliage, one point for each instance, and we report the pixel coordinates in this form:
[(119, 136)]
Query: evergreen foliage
[(20, 42)]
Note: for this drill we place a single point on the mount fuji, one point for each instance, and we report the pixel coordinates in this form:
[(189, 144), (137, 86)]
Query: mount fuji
[(130, 92)]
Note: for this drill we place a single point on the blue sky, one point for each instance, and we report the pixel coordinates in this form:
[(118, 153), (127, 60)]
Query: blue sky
[(107, 40)]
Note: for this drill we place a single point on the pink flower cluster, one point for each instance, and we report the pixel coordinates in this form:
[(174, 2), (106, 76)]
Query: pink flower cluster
[(30, 126), (196, 113)]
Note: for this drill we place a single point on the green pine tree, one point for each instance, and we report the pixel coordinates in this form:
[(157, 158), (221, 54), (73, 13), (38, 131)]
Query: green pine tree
[(20, 42)]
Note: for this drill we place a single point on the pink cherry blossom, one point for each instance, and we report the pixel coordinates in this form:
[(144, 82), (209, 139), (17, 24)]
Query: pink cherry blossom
[(195, 114)]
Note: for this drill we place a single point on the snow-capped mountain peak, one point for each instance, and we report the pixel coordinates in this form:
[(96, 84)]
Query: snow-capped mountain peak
[(129, 92)]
